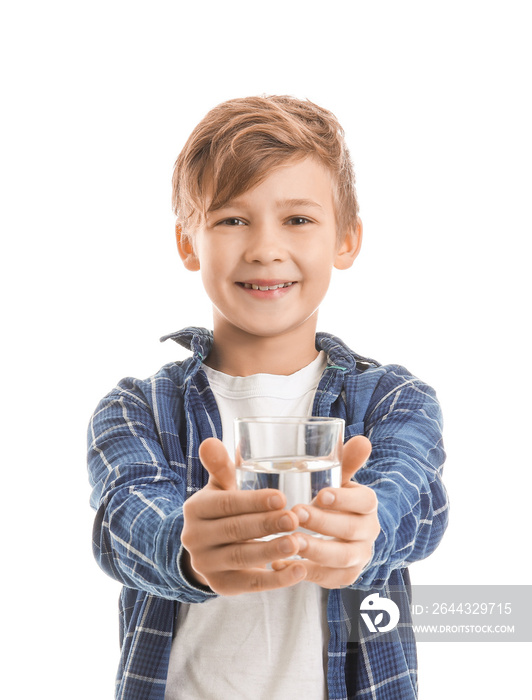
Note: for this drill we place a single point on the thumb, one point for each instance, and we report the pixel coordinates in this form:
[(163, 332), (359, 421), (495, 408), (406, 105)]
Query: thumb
[(215, 459), (356, 452)]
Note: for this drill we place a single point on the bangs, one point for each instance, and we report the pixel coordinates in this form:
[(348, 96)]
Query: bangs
[(240, 142)]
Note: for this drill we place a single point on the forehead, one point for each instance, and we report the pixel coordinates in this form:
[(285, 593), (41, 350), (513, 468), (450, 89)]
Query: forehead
[(304, 183)]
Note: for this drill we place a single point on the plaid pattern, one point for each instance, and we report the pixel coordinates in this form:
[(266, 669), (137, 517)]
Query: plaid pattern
[(143, 463)]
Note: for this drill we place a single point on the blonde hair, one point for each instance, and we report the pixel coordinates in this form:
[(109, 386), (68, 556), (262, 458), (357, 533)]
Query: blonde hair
[(238, 144)]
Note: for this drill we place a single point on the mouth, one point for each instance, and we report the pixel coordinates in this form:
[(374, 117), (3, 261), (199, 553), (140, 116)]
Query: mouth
[(265, 285), (266, 289)]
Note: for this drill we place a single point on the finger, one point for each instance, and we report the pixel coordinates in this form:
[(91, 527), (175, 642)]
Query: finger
[(250, 526), (248, 555), (329, 577), (215, 459), (344, 526), (351, 498), (355, 454), (256, 580), (333, 553), (216, 504)]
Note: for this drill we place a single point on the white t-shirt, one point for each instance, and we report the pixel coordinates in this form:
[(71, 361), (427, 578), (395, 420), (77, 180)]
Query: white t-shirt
[(255, 646)]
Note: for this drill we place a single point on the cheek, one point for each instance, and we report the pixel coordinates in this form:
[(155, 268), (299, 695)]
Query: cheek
[(321, 267), (214, 272), (215, 255)]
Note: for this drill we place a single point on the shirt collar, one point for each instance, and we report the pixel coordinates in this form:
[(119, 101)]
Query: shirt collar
[(200, 340)]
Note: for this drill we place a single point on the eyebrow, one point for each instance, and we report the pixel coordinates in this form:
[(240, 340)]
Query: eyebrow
[(280, 204), (285, 203)]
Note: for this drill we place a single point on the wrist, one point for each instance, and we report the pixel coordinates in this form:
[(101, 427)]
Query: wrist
[(188, 572)]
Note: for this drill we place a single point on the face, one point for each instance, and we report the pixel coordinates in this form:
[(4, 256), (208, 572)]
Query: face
[(266, 258)]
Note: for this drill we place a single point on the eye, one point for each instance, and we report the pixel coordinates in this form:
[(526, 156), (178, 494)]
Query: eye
[(298, 221), (231, 221)]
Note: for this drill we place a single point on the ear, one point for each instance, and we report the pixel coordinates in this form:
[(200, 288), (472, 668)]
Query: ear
[(186, 250), (349, 248)]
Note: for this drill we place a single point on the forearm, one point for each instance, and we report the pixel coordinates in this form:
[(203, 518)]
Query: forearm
[(413, 518), (137, 541), (139, 500), (405, 471)]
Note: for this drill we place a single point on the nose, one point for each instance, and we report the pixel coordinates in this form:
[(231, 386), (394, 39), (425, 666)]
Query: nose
[(265, 245)]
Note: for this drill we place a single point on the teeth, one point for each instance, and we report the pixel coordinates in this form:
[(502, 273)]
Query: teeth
[(266, 289)]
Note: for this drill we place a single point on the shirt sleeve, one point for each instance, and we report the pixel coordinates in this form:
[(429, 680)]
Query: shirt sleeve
[(138, 497), (404, 424)]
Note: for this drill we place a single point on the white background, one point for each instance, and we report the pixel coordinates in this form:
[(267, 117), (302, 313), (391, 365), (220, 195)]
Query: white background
[(98, 100)]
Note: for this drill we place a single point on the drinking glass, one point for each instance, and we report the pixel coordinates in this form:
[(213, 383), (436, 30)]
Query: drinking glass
[(297, 455)]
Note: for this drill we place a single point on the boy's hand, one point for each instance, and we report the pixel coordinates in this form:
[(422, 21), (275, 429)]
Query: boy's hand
[(221, 523), (349, 514)]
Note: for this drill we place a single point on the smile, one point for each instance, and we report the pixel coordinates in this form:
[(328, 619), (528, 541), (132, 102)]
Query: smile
[(248, 285)]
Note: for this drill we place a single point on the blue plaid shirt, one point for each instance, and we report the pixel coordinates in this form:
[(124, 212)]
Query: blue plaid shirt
[(143, 463)]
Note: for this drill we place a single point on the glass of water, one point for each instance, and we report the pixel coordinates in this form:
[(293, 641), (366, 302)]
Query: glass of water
[(298, 456)]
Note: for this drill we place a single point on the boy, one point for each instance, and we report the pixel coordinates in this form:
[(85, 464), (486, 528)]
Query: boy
[(266, 207)]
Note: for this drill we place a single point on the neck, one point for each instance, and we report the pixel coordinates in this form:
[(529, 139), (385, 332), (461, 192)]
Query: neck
[(241, 354)]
